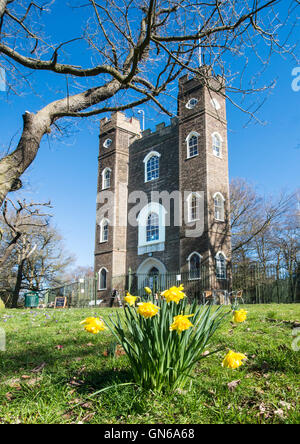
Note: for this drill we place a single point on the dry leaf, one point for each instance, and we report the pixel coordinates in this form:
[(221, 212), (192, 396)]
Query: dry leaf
[(233, 384)]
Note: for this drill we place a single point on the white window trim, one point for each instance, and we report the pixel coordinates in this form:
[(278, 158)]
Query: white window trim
[(193, 133), (146, 159), (216, 134), (99, 288), (152, 207), (217, 257), (189, 262), (188, 104), (189, 201), (103, 178), (223, 209), (105, 142), (103, 221)]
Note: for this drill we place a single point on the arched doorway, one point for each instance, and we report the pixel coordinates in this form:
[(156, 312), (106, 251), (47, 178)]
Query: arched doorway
[(151, 273)]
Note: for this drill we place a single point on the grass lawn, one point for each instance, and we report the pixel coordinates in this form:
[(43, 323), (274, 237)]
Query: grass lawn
[(51, 366)]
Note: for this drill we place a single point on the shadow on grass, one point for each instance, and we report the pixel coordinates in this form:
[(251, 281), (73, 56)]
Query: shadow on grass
[(94, 381), (28, 358)]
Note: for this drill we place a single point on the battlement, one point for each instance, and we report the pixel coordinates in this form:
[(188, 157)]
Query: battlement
[(161, 129), (120, 120), (206, 76)]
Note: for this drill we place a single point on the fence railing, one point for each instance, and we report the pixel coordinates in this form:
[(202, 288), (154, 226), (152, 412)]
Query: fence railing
[(259, 285)]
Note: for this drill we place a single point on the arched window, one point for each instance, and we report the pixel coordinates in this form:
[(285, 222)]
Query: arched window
[(106, 175), (152, 229), (151, 162), (192, 144), (104, 230), (220, 266), (103, 279), (217, 144), (193, 207), (219, 206), (194, 261)]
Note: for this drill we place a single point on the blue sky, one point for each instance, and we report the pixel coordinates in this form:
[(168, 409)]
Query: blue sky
[(65, 171)]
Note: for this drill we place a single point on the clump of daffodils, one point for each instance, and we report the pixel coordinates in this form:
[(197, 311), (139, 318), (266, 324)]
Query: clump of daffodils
[(163, 338)]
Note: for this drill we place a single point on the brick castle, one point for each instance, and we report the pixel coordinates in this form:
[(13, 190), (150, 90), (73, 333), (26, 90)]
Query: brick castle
[(188, 158)]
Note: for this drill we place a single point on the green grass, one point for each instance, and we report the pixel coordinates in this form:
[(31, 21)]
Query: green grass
[(59, 392)]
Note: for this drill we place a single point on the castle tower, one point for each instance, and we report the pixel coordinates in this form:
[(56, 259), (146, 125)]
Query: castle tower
[(203, 178), (116, 135)]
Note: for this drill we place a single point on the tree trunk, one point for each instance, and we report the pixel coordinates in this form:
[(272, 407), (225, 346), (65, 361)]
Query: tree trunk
[(17, 288)]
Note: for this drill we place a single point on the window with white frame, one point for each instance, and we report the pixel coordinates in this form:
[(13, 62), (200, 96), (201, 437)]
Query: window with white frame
[(106, 175), (194, 261), (219, 206), (193, 207), (217, 144), (103, 279), (151, 162), (220, 266), (192, 144), (104, 230), (151, 228)]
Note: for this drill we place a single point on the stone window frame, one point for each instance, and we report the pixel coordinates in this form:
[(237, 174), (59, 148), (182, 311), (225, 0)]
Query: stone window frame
[(189, 263), (100, 288), (192, 134), (218, 136), (221, 266), (146, 160), (221, 206), (104, 222), (189, 200), (152, 207), (104, 186)]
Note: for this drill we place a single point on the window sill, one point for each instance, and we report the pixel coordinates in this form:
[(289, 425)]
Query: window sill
[(192, 157)]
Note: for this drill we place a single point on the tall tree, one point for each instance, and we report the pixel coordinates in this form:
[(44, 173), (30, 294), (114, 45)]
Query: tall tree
[(136, 51)]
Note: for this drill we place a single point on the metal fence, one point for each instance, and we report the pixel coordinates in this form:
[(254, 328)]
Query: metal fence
[(78, 294), (259, 284)]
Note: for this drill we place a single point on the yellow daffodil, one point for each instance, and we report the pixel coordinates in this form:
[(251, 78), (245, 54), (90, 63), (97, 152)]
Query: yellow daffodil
[(148, 290), (130, 299), (181, 323), (147, 309), (174, 294), (93, 325), (233, 360), (239, 316)]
